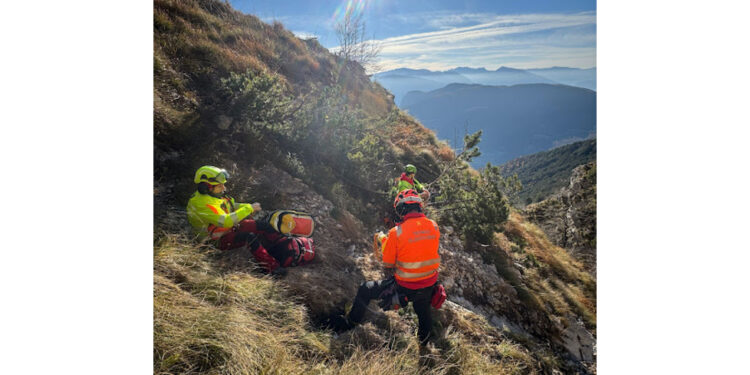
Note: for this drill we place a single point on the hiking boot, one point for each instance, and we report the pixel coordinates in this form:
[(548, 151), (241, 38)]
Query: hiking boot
[(340, 323)]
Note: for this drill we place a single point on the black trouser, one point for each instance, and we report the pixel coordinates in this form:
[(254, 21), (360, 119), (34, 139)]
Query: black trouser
[(420, 298)]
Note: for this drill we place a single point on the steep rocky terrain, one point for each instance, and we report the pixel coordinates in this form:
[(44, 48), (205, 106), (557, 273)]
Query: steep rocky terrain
[(569, 217), (297, 128), (487, 285)]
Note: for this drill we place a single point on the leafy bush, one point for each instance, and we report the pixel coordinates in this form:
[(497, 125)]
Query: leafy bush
[(257, 102), (474, 202)]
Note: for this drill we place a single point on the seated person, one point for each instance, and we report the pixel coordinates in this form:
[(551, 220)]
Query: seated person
[(216, 216)]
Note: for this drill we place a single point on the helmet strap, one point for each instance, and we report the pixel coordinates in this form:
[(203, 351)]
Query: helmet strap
[(204, 188)]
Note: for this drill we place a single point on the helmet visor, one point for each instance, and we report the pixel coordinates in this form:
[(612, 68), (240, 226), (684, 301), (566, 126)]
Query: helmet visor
[(221, 177)]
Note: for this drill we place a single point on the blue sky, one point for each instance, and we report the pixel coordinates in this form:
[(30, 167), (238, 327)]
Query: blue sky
[(440, 35)]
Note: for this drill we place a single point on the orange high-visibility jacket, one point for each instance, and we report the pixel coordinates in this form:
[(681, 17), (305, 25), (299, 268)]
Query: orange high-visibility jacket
[(412, 247)]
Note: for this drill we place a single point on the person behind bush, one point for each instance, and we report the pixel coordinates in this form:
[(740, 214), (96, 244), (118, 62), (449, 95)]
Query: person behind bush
[(408, 181), (215, 215), (412, 248)]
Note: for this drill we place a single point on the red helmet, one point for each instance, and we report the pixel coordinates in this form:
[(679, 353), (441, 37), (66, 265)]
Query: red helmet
[(408, 196)]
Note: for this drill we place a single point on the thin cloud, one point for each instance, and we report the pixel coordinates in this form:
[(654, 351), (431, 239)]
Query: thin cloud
[(502, 25), (523, 41)]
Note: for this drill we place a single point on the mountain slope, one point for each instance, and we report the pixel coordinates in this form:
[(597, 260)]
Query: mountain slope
[(298, 128), (214, 312), (569, 217), (546, 172), (516, 120)]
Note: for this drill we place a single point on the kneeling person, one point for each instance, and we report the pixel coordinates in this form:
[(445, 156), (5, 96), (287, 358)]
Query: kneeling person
[(412, 248)]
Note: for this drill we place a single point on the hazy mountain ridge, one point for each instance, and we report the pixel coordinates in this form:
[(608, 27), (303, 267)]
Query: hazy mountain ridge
[(402, 80), (515, 120)]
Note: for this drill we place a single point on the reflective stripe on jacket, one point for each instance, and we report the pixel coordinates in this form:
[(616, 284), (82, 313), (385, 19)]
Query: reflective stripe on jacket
[(211, 216), (412, 247)]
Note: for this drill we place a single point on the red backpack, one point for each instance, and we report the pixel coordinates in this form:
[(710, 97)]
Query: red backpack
[(294, 251)]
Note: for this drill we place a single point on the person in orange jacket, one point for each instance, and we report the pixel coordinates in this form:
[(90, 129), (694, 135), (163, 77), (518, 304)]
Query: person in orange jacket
[(411, 248)]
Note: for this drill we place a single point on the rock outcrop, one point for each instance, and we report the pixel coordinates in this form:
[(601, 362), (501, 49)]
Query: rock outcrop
[(578, 341), (568, 218)]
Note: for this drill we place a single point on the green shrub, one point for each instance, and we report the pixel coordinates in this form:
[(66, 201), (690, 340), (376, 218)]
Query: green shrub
[(475, 202)]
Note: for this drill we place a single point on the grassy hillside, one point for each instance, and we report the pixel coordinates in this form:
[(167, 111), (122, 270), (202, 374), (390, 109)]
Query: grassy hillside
[(215, 314), (229, 87), (544, 173), (298, 128), (568, 217), (213, 321)]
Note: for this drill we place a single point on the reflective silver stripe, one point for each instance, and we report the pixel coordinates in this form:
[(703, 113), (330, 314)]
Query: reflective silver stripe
[(415, 265), (221, 220), (434, 224), (410, 200), (398, 230), (409, 275), (388, 265), (233, 216)]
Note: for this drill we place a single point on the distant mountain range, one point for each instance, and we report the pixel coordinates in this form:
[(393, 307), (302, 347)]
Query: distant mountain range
[(402, 80), (516, 120)]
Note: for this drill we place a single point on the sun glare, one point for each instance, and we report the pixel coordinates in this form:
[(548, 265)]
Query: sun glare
[(355, 7)]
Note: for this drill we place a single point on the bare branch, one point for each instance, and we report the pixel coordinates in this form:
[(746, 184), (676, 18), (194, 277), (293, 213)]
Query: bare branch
[(351, 31)]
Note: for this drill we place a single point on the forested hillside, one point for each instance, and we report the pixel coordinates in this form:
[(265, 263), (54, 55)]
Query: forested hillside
[(300, 128), (546, 172)]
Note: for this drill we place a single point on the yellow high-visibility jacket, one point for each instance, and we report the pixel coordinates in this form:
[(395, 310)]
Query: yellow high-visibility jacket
[(211, 216)]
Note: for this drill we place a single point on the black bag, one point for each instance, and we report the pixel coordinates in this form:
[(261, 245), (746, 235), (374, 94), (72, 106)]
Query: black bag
[(390, 299)]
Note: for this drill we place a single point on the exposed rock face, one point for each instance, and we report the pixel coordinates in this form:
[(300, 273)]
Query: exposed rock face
[(578, 341), (569, 217)]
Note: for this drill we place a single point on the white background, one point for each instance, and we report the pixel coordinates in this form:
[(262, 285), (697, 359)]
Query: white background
[(77, 152)]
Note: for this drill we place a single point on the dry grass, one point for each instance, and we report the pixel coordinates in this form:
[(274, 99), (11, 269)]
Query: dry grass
[(555, 277), (209, 321), (446, 153), (374, 102)]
